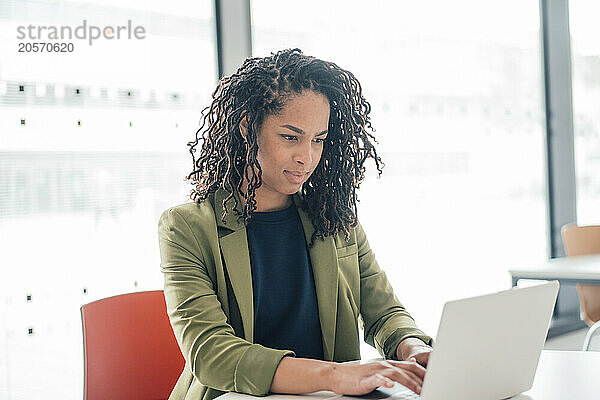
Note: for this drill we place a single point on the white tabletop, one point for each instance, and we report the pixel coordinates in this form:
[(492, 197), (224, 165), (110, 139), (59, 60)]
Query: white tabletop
[(561, 375), (580, 268), (566, 375)]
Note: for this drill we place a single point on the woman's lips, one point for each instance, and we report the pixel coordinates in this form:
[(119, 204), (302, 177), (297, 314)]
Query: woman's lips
[(295, 177)]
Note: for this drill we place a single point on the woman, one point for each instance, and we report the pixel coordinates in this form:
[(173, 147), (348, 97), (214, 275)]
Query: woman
[(268, 272)]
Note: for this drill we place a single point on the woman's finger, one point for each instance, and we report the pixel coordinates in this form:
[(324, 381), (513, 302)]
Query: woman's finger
[(424, 358), (404, 377), (412, 366), (383, 380)]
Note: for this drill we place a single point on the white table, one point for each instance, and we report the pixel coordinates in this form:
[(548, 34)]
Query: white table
[(561, 375), (578, 269), (572, 270), (566, 375)]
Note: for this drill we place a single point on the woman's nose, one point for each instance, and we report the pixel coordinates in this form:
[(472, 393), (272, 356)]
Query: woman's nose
[(304, 155)]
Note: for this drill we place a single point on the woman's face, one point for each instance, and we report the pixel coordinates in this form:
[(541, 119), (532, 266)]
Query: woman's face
[(290, 145)]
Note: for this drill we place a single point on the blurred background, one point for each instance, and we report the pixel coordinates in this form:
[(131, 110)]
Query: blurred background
[(487, 115)]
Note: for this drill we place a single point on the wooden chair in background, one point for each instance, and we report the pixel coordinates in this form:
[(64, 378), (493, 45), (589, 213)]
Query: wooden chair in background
[(579, 241)]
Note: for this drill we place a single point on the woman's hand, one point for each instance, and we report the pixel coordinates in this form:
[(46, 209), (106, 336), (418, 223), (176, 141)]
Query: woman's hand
[(414, 349), (361, 379)]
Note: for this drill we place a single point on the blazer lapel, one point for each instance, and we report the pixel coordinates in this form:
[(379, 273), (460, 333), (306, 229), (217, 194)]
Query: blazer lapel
[(234, 248), (323, 258)]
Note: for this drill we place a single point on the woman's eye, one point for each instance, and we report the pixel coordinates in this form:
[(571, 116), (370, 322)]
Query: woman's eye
[(295, 138)]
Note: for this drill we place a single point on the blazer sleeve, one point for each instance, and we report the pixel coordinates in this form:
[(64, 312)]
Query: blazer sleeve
[(385, 320), (217, 358)]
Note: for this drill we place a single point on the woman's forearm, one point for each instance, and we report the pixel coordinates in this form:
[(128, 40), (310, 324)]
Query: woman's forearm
[(305, 375), (302, 375)]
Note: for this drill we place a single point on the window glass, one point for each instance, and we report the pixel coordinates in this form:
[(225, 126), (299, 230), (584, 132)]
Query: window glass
[(585, 53), (456, 91), (92, 150)]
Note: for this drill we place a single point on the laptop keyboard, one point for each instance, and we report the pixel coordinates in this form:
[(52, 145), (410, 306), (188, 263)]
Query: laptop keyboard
[(397, 392), (405, 395)]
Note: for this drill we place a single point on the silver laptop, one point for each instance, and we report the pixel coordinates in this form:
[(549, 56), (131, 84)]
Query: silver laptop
[(487, 347)]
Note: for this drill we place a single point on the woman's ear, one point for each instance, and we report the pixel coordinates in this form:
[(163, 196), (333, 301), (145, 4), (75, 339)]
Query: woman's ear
[(244, 125)]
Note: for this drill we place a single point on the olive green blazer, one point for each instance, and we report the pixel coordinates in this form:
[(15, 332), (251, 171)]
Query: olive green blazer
[(208, 291)]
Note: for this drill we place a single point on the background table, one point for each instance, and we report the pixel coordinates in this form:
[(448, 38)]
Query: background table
[(579, 269), (567, 270)]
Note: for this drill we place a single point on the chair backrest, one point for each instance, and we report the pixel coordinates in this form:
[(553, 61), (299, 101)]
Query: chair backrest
[(130, 351), (580, 241)]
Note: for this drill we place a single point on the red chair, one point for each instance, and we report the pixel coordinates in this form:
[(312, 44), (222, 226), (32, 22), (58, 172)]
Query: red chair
[(129, 348)]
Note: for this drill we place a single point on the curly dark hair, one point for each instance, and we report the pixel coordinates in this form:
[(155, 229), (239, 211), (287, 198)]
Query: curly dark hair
[(261, 87)]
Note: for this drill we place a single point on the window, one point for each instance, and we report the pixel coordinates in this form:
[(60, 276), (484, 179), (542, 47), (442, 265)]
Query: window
[(585, 53), (92, 150), (456, 91)]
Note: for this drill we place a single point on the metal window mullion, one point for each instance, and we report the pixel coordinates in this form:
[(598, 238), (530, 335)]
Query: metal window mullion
[(233, 29), (560, 148), (556, 55)]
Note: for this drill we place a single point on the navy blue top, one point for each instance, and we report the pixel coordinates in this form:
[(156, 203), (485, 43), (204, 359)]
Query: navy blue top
[(286, 316)]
